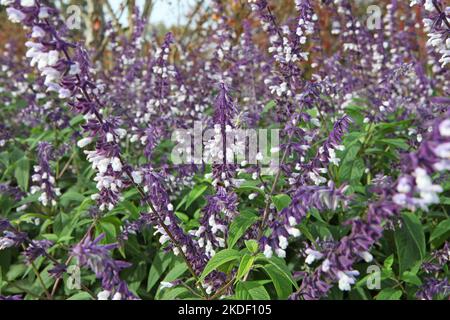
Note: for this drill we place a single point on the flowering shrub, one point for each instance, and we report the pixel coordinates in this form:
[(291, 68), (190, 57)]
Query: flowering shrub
[(297, 158)]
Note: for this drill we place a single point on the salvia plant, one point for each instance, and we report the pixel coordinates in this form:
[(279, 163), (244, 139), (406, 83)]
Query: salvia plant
[(266, 149)]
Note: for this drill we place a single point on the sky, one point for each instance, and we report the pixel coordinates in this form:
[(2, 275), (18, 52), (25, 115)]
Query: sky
[(169, 12)]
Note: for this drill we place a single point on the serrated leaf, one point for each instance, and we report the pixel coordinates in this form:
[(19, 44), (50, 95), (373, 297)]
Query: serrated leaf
[(245, 266), (284, 270), (220, 258), (282, 284), (194, 195), (251, 290), (239, 226), (252, 246)]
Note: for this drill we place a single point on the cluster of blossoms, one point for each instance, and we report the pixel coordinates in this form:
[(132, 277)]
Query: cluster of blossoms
[(69, 78), (435, 284), (337, 262), (304, 199), (91, 254), (14, 238), (10, 238), (437, 25), (303, 85), (416, 189), (43, 177)]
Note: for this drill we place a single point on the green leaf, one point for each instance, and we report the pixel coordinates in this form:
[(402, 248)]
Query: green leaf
[(250, 186), (389, 294), (219, 259), (281, 201), (411, 278), (160, 264), (195, 194), (251, 290), (245, 266), (280, 265), (352, 168), (71, 196), (396, 143), (239, 226), (440, 233), (182, 216), (109, 230), (270, 105), (173, 293), (282, 284), (252, 246), (80, 296), (389, 262), (22, 173), (177, 271), (410, 242)]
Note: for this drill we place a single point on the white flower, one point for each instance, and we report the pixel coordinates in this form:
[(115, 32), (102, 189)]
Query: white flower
[(74, 69), (268, 251), (332, 157), (429, 5), (253, 196), (84, 142), (116, 164), (326, 265), (424, 182), (444, 128), (137, 177), (44, 13), (15, 15), (117, 296), (346, 279), (401, 199), (367, 256), (6, 243), (317, 179), (38, 32), (293, 232), (103, 295), (403, 185), (292, 221), (313, 255), (165, 285), (443, 150), (6, 2), (281, 253), (27, 3), (51, 75), (283, 243), (64, 93)]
